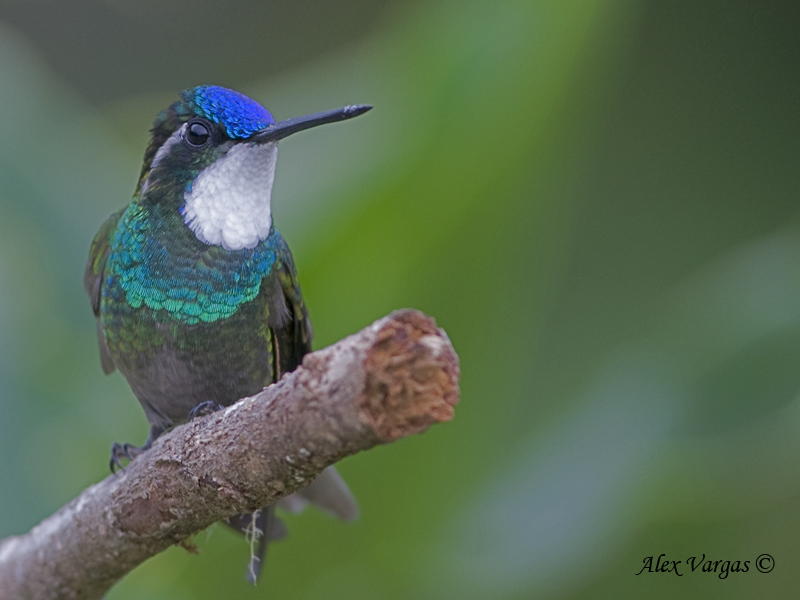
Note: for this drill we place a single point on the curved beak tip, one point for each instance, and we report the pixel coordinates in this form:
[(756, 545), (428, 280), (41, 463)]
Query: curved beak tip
[(353, 110), (282, 129)]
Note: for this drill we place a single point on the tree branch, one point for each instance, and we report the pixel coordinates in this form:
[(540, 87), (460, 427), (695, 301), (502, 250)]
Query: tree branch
[(392, 379)]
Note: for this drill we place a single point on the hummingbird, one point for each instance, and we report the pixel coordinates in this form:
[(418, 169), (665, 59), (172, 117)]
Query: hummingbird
[(195, 291)]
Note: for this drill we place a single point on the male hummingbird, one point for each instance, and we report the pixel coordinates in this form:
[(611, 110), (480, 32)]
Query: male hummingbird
[(195, 291)]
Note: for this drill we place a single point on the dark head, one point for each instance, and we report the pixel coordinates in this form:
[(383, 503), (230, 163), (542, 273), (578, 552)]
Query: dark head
[(212, 155)]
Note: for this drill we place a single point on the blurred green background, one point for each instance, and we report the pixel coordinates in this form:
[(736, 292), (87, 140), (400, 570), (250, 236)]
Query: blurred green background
[(598, 200)]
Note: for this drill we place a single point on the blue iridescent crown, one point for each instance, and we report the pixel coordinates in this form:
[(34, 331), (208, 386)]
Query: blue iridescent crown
[(239, 115)]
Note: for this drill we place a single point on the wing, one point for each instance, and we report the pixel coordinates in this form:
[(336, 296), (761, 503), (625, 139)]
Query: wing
[(293, 335), (93, 280)]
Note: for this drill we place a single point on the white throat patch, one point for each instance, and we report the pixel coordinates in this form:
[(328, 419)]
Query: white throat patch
[(229, 202)]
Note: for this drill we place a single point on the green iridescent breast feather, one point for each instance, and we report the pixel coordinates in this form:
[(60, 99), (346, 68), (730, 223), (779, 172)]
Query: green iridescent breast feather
[(189, 283)]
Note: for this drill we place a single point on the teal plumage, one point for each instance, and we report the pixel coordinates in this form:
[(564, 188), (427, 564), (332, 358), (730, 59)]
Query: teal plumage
[(195, 292), (189, 281), (215, 319)]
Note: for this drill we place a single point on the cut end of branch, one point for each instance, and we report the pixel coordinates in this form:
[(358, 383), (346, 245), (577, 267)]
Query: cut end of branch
[(412, 376)]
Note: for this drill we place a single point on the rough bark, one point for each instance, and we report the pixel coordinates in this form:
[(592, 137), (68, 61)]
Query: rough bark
[(392, 379)]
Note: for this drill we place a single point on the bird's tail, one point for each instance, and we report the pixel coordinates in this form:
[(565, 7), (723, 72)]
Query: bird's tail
[(327, 492)]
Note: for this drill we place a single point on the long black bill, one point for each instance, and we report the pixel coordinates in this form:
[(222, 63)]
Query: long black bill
[(280, 130)]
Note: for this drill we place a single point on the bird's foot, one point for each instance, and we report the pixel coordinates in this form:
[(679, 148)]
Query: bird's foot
[(120, 451), (203, 409)]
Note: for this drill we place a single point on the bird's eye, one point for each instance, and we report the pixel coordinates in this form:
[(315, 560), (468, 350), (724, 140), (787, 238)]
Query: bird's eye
[(197, 134)]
